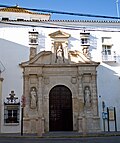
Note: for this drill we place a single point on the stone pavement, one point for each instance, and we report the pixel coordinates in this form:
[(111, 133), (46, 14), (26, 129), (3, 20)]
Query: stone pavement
[(62, 134)]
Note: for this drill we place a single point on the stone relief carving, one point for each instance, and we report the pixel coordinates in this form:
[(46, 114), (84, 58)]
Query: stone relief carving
[(73, 80), (33, 98), (87, 96), (46, 80)]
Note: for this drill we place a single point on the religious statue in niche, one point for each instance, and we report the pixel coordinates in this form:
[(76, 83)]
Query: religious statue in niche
[(87, 96), (59, 54), (33, 98)]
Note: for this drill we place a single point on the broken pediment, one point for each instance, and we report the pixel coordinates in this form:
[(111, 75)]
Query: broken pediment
[(59, 34), (49, 58), (41, 58), (78, 57)]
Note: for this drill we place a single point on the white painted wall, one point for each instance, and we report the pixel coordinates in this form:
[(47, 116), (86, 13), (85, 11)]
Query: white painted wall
[(109, 89), (14, 49)]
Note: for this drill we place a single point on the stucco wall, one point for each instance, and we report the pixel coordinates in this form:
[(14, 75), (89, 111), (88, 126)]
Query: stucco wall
[(15, 49)]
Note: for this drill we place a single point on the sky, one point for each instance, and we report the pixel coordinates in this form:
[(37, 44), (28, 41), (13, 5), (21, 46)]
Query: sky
[(94, 7)]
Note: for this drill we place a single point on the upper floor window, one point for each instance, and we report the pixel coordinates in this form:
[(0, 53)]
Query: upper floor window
[(33, 38), (107, 53), (84, 38), (84, 41), (33, 41), (106, 49)]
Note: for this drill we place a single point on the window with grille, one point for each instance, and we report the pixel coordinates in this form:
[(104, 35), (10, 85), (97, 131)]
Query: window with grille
[(107, 54), (11, 113)]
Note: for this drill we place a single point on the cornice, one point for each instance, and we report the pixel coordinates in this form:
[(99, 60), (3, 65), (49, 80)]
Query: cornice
[(74, 21)]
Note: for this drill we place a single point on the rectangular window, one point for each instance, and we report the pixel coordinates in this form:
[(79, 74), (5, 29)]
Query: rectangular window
[(106, 50), (33, 41), (107, 54), (84, 41), (85, 38)]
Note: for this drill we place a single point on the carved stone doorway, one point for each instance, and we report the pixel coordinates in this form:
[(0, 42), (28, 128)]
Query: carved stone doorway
[(60, 109)]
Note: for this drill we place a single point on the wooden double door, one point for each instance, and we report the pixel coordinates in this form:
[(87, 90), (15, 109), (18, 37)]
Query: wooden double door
[(60, 109)]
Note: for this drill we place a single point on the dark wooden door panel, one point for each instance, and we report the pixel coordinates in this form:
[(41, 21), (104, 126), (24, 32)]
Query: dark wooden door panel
[(60, 109)]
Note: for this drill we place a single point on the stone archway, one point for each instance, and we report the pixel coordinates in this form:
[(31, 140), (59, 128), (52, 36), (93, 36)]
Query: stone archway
[(60, 109)]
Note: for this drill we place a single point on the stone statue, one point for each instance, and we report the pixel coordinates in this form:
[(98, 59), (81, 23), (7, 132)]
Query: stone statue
[(87, 96), (60, 53), (33, 98)]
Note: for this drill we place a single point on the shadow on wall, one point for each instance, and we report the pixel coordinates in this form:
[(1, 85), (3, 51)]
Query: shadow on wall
[(93, 42), (12, 51), (108, 82), (108, 85), (70, 41), (41, 41)]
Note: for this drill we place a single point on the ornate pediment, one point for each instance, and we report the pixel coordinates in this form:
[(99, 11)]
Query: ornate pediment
[(59, 34), (49, 58)]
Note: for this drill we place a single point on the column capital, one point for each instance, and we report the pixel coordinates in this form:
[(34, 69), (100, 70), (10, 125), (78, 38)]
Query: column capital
[(39, 76), (26, 76)]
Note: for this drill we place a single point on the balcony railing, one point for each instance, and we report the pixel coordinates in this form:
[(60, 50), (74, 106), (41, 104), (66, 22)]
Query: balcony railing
[(111, 58)]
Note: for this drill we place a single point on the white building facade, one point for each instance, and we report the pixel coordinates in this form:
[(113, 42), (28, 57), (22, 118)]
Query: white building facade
[(93, 45)]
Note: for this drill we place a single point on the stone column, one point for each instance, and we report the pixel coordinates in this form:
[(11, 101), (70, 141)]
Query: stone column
[(1, 80), (40, 124), (26, 119), (96, 119), (94, 93), (81, 103), (26, 94)]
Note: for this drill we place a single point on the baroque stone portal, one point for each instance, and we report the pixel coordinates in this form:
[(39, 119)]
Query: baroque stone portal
[(60, 89)]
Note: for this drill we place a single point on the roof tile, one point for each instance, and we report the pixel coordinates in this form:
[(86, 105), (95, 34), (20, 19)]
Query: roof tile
[(18, 10)]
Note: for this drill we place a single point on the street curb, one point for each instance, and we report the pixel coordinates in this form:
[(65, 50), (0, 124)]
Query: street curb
[(60, 136)]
